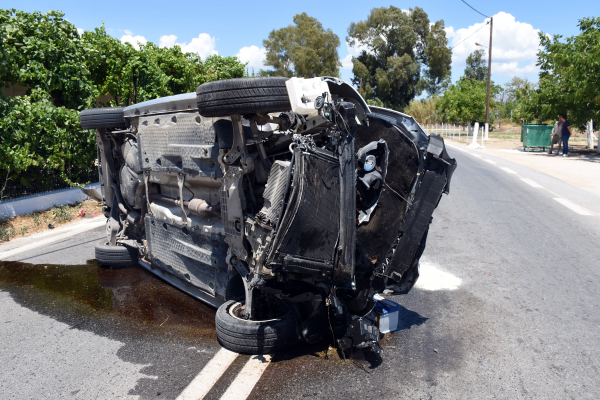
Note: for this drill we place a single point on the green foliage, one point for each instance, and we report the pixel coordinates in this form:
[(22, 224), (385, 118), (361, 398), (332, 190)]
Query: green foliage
[(35, 133), (464, 102), (131, 76), (426, 111), (6, 232), (476, 66), (569, 76), (66, 73), (404, 55), (304, 49), (61, 213), (44, 51)]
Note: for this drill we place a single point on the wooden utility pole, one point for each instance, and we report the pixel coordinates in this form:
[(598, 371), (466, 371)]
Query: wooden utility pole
[(489, 77)]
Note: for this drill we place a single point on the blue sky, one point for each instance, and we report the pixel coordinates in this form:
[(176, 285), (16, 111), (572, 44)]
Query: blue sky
[(233, 28)]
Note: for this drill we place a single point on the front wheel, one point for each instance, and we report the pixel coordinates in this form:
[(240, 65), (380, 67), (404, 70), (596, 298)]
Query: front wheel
[(255, 337)]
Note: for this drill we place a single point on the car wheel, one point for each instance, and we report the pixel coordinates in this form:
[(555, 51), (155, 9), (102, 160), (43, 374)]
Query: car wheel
[(100, 118), (243, 96), (115, 256), (254, 337)]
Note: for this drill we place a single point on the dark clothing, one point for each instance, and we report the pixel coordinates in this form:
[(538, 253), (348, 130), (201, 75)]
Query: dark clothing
[(564, 129), (565, 140)]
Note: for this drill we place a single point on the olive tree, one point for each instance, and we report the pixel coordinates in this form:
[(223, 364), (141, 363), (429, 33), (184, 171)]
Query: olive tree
[(304, 49), (403, 56)]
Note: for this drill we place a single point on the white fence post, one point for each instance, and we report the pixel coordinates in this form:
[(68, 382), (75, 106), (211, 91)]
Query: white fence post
[(590, 134)]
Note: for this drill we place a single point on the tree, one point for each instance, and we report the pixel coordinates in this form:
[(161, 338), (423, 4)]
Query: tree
[(464, 102), (476, 66), (438, 57), (403, 56), (569, 76), (304, 49)]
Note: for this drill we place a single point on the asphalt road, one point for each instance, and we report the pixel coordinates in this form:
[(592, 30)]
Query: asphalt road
[(507, 308)]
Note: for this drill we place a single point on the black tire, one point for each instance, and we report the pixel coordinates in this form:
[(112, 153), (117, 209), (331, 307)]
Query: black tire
[(115, 256), (254, 337), (243, 96), (100, 118)]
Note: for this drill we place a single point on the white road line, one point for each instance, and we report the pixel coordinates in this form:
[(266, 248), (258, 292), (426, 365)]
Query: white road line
[(79, 228), (572, 206), (531, 183), (490, 161), (243, 384), (510, 171), (209, 375), (476, 155)]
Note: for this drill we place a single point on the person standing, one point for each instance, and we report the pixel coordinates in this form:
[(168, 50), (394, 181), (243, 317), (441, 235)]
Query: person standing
[(556, 136), (565, 133)]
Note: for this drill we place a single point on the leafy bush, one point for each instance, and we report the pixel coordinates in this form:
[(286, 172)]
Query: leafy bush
[(35, 133), (65, 73)]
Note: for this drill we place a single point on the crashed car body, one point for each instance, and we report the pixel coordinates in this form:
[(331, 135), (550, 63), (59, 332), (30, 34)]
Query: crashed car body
[(286, 203)]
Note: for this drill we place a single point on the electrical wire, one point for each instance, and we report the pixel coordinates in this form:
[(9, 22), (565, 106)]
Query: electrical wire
[(474, 9), (503, 38), (486, 24)]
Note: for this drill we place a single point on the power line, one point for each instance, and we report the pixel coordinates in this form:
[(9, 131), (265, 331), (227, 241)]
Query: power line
[(487, 23), (474, 9), (503, 38)]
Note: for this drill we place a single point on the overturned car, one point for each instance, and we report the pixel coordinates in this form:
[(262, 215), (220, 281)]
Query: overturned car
[(286, 203)]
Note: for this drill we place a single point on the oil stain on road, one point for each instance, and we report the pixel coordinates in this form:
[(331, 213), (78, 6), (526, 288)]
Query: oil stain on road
[(85, 295)]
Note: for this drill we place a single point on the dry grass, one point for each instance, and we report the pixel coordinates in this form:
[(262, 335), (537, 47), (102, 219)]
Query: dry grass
[(38, 221)]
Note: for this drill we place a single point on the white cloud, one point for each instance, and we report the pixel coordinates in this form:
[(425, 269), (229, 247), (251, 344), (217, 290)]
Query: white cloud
[(80, 31), (128, 32), (134, 40), (514, 42), (353, 51), (167, 41), (512, 68), (254, 56), (204, 44)]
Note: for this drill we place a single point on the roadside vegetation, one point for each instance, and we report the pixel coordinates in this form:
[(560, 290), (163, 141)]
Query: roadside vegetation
[(38, 221), (405, 64), (65, 73)]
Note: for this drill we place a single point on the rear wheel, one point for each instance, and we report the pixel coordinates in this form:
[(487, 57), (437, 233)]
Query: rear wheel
[(254, 337), (100, 118), (115, 256), (243, 96)]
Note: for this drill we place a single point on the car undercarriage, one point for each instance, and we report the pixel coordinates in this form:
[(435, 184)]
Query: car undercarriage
[(286, 203)]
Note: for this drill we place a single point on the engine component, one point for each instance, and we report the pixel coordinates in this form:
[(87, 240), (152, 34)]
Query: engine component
[(373, 158), (202, 208), (274, 194), (307, 238)]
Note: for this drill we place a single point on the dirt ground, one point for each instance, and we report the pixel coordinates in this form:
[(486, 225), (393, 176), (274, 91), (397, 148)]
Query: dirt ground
[(38, 221), (581, 168)]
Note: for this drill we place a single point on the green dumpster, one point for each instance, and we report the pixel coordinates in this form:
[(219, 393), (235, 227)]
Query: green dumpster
[(536, 135)]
